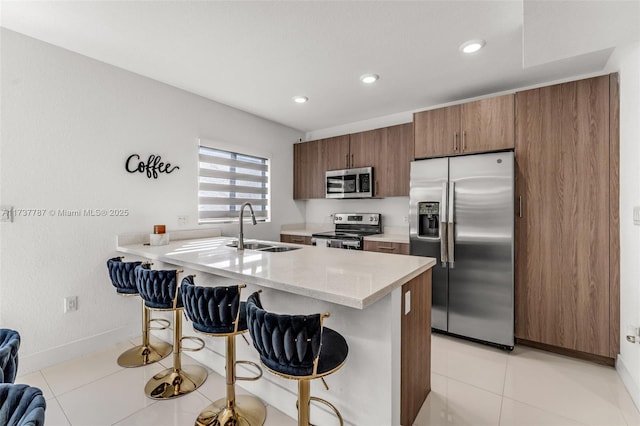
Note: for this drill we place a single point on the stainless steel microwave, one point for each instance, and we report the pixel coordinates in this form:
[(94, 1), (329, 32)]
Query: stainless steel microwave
[(349, 183)]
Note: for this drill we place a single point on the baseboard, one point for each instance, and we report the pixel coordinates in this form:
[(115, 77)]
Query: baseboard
[(604, 360), (34, 362), (629, 382)]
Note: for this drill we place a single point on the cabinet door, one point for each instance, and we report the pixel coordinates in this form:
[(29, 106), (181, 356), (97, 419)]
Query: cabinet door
[(392, 162), (562, 246), (386, 247), (295, 239), (308, 172), (364, 146), (488, 124), (335, 154), (436, 132)]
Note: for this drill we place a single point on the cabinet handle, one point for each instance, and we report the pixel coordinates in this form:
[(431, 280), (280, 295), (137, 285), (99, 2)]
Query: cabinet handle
[(464, 139), (351, 160), (455, 141), (347, 160), (520, 206), (386, 248)]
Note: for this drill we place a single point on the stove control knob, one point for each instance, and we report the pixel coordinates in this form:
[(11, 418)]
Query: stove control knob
[(339, 218), (371, 218)]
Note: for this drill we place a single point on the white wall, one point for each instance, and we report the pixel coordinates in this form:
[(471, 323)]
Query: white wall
[(68, 124), (627, 62)]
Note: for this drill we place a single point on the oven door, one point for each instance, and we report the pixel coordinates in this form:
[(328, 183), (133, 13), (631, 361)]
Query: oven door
[(336, 243)]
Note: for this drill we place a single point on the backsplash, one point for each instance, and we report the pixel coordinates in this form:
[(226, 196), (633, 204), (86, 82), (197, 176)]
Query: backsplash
[(394, 210)]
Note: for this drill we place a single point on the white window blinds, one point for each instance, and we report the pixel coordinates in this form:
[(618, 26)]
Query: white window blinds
[(228, 179)]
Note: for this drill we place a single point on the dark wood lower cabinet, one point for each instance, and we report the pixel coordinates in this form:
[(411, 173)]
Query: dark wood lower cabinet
[(295, 239), (385, 247)]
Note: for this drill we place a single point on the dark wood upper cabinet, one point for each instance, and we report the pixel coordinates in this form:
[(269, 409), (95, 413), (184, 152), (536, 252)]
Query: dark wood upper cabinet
[(388, 150), (479, 126)]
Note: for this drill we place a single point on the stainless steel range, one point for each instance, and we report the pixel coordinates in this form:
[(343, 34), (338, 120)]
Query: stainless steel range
[(350, 229)]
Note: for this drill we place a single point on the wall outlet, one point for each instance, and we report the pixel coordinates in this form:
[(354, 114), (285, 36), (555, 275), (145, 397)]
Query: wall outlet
[(182, 220), (636, 215), (70, 304)]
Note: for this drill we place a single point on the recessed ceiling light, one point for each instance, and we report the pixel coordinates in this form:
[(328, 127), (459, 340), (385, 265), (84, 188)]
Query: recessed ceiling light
[(472, 46), (369, 78), (300, 99)]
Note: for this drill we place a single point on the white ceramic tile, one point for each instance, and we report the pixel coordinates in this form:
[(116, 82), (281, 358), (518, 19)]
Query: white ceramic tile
[(515, 413), (578, 390), (472, 363), (276, 417), (53, 414), (36, 379), (625, 403), (215, 387), (108, 400), (69, 375), (174, 412), (451, 402)]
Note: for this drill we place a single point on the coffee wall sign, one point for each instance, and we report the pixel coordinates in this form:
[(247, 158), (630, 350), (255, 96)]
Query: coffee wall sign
[(152, 166)]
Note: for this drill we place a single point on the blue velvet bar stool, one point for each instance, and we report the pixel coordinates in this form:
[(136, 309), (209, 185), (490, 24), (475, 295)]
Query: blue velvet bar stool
[(123, 278), (9, 345), (161, 292), (217, 311), (21, 405), (297, 347)]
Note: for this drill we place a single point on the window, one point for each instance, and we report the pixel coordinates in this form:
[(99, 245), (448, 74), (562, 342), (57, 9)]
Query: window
[(228, 179)]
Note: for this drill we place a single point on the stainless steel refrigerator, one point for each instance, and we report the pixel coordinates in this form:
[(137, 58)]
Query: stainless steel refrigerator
[(462, 213)]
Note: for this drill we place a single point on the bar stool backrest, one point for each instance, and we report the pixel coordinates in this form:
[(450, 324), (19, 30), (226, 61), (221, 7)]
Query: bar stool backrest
[(288, 344), (212, 310), (158, 288), (21, 405), (122, 275), (9, 345)]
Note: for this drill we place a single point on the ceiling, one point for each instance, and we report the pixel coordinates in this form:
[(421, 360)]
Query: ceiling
[(255, 56)]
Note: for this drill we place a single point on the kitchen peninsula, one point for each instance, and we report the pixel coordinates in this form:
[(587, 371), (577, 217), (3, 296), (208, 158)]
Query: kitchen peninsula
[(380, 303)]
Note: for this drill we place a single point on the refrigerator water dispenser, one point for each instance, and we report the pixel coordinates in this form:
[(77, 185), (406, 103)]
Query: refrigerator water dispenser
[(428, 219)]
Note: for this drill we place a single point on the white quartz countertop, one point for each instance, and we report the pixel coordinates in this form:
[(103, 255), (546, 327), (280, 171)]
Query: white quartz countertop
[(346, 277)]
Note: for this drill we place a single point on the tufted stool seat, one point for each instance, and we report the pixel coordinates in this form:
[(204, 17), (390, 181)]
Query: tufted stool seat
[(297, 347), (123, 278), (160, 291), (21, 405), (9, 345), (218, 311)]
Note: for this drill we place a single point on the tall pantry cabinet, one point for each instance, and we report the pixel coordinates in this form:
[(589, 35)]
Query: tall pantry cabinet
[(567, 216)]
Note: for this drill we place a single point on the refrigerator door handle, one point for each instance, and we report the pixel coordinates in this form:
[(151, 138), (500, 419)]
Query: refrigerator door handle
[(443, 226), (451, 226)]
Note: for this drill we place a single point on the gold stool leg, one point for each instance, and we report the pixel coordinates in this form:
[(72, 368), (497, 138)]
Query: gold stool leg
[(176, 381), (243, 410), (146, 353), (304, 397)]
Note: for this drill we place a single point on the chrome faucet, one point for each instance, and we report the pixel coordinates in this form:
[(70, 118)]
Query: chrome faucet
[(253, 219)]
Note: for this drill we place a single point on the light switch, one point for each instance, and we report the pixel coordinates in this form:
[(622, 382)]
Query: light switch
[(636, 215), (407, 302)]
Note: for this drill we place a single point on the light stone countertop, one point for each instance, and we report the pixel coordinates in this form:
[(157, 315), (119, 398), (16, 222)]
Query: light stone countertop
[(345, 277)]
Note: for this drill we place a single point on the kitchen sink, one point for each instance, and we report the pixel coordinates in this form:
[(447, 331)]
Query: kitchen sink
[(250, 246), (263, 247), (277, 249)]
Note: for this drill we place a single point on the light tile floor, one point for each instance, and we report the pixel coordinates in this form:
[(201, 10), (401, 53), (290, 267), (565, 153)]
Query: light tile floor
[(471, 384)]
